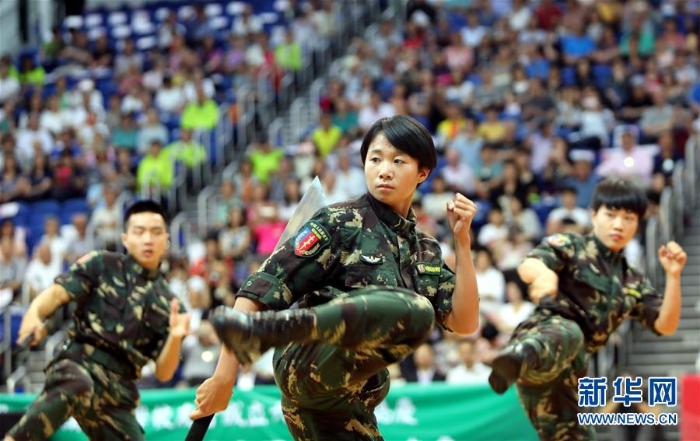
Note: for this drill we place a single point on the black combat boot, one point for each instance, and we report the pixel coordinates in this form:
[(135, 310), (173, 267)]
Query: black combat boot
[(249, 335), (510, 364)]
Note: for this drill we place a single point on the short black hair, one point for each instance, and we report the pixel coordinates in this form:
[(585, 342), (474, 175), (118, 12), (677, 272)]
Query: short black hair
[(406, 134), (144, 206), (620, 194)]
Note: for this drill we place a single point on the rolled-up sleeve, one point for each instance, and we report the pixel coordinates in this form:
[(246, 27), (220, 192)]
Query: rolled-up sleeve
[(442, 303), (648, 305)]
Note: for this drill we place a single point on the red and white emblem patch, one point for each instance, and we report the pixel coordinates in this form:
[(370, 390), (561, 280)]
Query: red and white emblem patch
[(310, 240)]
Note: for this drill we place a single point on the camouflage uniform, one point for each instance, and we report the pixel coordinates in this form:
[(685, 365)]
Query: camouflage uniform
[(121, 321), (598, 289), (381, 283)]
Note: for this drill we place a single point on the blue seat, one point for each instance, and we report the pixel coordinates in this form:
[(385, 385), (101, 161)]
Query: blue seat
[(72, 207), (45, 208), (35, 231), (22, 216), (543, 209)]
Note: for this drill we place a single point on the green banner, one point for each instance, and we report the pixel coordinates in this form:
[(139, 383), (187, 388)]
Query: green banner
[(411, 413)]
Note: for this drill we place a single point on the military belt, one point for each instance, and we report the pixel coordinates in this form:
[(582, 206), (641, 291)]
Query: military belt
[(110, 362)]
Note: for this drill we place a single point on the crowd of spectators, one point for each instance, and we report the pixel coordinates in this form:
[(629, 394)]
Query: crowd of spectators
[(530, 104)]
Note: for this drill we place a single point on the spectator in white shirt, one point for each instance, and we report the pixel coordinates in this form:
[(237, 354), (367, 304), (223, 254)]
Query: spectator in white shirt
[(509, 316), (333, 193), (525, 218), (519, 16), (92, 126), (495, 231), (198, 80), (169, 29), (387, 37), (631, 161), (247, 23), (490, 281), (75, 235), (434, 201), (9, 86), (53, 118), (596, 122), (568, 209), (349, 179), (58, 244), (85, 95), (471, 370), (107, 218), (41, 272), (375, 110), (473, 32), (169, 98), (459, 177), (28, 138)]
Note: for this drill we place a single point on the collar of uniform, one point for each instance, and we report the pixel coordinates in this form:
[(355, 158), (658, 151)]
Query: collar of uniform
[(393, 219), (605, 252), (135, 267)]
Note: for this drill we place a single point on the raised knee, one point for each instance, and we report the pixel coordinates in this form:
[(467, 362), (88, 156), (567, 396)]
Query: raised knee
[(573, 332), (82, 385)]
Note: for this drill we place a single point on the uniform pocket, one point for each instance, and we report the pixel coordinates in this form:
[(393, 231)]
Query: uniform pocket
[(599, 282), (364, 274)]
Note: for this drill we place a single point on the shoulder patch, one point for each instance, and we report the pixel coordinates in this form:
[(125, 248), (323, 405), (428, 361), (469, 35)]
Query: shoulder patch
[(558, 240), (86, 258), (311, 239), (429, 268)]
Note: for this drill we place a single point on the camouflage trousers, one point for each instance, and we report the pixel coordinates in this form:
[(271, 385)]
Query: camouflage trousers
[(100, 400), (331, 386), (549, 392)]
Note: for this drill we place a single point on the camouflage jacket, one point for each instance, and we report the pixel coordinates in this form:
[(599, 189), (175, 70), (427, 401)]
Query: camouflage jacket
[(352, 245), (598, 289), (122, 309)]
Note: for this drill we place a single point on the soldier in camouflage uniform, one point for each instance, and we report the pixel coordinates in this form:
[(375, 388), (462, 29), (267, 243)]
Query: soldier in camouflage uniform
[(125, 316), (366, 287), (584, 288)]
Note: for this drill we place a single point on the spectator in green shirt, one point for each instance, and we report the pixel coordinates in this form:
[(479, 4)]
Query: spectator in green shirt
[(189, 153), (288, 54), (326, 136), (30, 74), (155, 171), (7, 59), (186, 150), (202, 114), (264, 159)]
